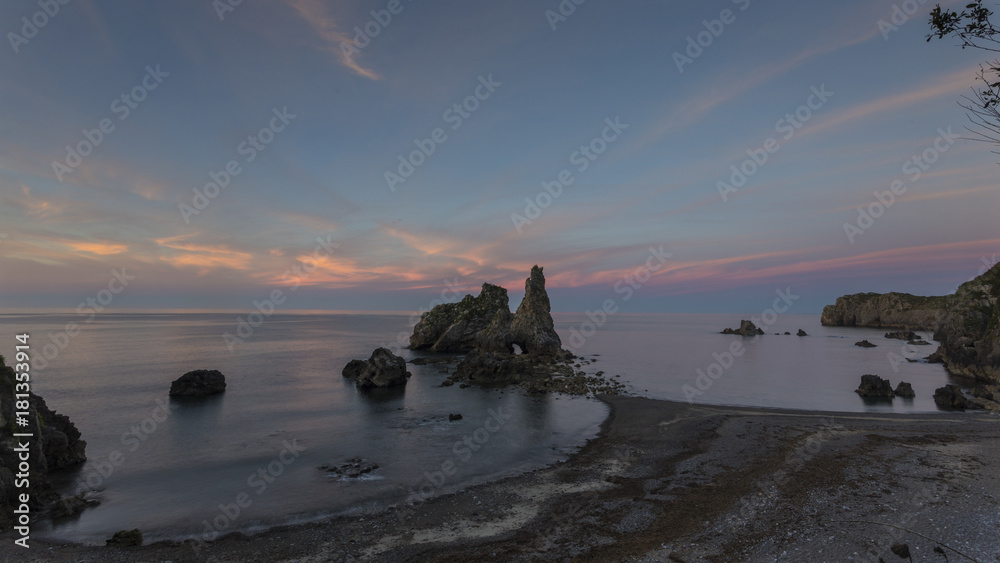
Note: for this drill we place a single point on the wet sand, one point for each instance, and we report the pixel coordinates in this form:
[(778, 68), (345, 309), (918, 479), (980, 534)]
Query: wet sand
[(669, 481)]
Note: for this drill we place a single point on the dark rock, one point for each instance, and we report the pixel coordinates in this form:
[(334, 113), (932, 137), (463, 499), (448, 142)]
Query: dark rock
[(453, 327), (56, 447), (198, 383), (950, 397), (125, 538), (918, 343), (903, 335), (935, 358), (353, 469), (970, 332), (901, 550), (905, 390), (874, 387), (71, 506), (354, 368), (801, 333), (747, 328), (454, 417), (787, 333), (532, 328), (382, 369), (864, 344)]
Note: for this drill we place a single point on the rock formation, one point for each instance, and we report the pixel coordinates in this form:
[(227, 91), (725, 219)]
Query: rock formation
[(453, 327), (532, 328), (950, 397), (56, 447), (905, 390), (747, 328), (125, 538), (801, 333), (874, 387), (198, 383), (967, 323), (864, 344), (382, 369)]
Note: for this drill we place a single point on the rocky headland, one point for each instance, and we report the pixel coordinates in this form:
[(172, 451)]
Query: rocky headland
[(966, 323)]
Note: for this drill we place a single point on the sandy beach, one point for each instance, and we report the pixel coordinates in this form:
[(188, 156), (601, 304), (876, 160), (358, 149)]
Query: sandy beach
[(669, 481)]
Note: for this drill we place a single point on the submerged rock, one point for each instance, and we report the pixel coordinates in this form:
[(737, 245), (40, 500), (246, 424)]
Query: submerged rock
[(905, 390), (198, 383), (382, 369), (71, 506), (874, 387), (902, 335), (864, 344), (125, 538), (532, 328), (801, 333), (747, 328), (353, 469), (950, 397)]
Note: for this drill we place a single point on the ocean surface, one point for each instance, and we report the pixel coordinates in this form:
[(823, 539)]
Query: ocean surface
[(250, 458)]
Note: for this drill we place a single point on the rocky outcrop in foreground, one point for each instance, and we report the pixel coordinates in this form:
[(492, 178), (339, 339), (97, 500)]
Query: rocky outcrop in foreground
[(874, 387), (967, 323), (56, 447), (382, 369), (198, 383), (747, 328)]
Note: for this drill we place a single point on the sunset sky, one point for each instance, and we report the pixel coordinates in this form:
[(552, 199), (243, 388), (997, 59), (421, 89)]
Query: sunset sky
[(196, 85)]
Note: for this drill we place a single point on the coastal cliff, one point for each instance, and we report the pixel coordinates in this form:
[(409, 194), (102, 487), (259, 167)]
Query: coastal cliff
[(56, 446), (966, 323)]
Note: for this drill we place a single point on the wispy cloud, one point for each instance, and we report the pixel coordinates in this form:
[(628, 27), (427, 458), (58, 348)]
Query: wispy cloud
[(315, 13)]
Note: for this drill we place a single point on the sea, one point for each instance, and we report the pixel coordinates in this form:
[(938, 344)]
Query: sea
[(258, 455)]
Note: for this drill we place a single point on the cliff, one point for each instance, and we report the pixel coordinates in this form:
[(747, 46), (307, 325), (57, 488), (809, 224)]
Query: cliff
[(966, 323), (56, 447)]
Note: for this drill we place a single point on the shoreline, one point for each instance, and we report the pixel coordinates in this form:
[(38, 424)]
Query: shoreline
[(671, 481)]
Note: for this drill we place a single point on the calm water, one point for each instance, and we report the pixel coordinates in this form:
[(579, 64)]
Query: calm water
[(166, 467)]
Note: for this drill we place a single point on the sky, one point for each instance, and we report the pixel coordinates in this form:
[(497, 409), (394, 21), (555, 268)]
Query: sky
[(378, 155)]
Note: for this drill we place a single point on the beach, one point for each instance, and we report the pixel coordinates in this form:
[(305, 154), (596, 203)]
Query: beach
[(668, 481)]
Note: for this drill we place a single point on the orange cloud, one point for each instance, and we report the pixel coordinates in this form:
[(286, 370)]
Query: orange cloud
[(101, 248)]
